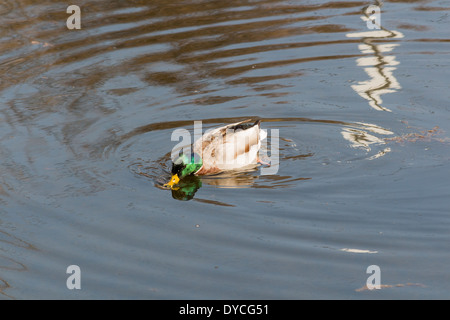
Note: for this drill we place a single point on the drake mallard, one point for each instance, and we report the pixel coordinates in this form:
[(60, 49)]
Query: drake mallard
[(231, 147)]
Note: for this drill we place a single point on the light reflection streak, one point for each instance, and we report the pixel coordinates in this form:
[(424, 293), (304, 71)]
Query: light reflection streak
[(379, 67), (360, 137)]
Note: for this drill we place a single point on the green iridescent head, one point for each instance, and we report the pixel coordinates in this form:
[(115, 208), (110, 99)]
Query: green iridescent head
[(184, 166)]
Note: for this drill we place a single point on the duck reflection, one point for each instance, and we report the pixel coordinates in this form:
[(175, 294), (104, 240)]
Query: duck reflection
[(377, 65), (186, 188), (231, 180), (189, 185)]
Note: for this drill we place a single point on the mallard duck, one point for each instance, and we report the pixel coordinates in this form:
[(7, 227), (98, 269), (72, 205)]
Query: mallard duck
[(231, 147)]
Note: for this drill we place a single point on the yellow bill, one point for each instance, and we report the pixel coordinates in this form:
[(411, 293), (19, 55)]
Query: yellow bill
[(173, 181)]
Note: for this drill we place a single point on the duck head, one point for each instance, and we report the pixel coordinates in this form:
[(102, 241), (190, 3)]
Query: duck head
[(184, 166)]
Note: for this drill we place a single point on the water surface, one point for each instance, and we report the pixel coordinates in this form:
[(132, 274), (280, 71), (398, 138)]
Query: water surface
[(86, 122)]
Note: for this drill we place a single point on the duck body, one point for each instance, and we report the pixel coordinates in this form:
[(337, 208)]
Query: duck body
[(231, 147)]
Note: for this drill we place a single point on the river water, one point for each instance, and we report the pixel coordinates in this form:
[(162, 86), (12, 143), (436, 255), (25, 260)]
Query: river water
[(363, 116)]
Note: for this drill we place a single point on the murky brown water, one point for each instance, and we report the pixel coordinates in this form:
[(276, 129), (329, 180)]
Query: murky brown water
[(86, 122)]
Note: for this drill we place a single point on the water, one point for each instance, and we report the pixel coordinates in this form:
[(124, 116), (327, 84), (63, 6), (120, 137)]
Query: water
[(86, 120)]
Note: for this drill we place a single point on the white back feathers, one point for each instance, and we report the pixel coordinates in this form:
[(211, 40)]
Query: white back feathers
[(230, 147)]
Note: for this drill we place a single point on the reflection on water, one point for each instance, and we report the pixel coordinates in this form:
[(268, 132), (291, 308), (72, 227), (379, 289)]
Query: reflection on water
[(189, 185), (378, 66), (233, 179), (361, 138), (187, 188)]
